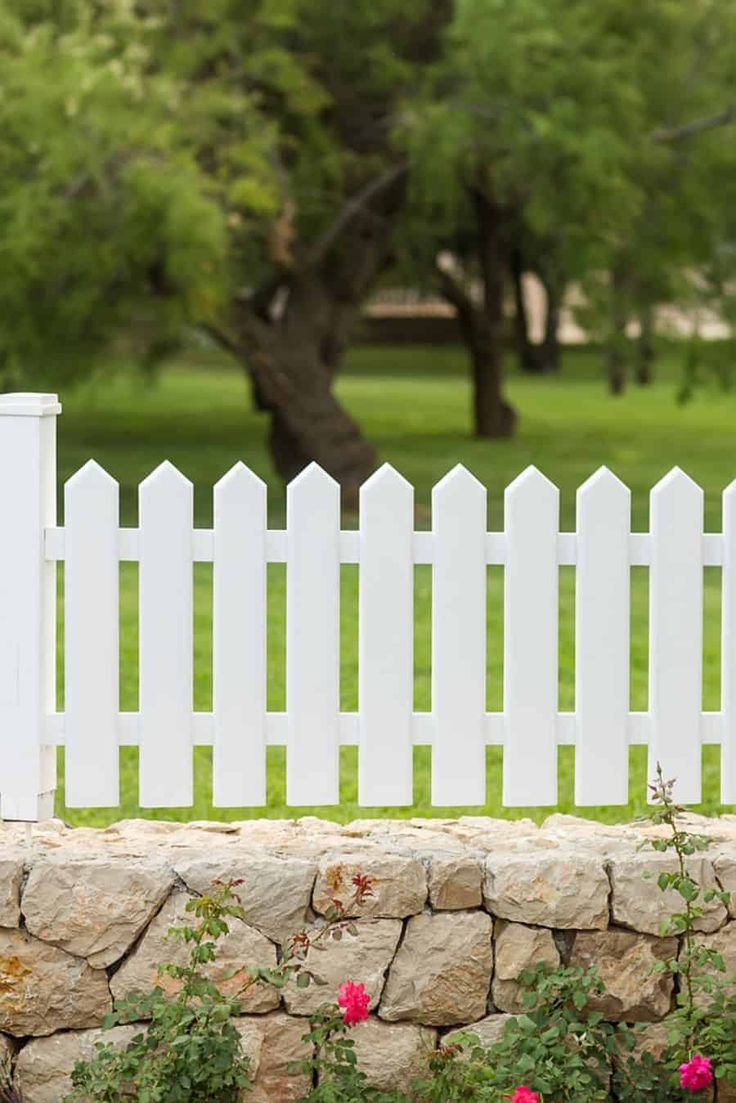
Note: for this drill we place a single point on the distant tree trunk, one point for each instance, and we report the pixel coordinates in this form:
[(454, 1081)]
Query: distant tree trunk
[(542, 358), (551, 340), (526, 353), (481, 323), (616, 346), (493, 415), (292, 354), (645, 347)]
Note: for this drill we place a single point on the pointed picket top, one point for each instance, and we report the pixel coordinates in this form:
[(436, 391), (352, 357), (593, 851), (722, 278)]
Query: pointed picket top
[(603, 487), (729, 493), (311, 476), (240, 484), (531, 489), (91, 476), (165, 478), (532, 477), (387, 485), (459, 485), (677, 484)]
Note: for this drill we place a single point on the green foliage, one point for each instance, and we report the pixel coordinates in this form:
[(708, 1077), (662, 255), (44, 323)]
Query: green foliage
[(151, 154), (190, 1052)]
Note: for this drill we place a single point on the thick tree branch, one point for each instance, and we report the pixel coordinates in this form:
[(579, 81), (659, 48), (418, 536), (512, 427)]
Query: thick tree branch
[(697, 126), (356, 205)]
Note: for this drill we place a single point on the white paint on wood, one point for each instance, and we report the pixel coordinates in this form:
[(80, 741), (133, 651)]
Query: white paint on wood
[(531, 509), (728, 648), (602, 641), (239, 640), (386, 643), (459, 639), (313, 639), (27, 604), (91, 616), (676, 632), (166, 654)]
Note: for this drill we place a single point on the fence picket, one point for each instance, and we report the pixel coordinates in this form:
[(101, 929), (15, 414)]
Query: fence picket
[(313, 638), (385, 548), (166, 655), (676, 631), (239, 640), (91, 695), (459, 639), (531, 509), (602, 641), (386, 644), (728, 648)]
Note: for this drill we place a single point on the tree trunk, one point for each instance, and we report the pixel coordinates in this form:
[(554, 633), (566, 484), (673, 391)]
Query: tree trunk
[(542, 358), (295, 386), (493, 415), (616, 350), (292, 355), (645, 347), (551, 341), (526, 353)]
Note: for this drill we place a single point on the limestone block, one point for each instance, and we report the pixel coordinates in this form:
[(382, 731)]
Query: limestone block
[(442, 972)]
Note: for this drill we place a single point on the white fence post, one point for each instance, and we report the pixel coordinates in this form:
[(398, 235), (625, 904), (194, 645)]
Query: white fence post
[(27, 604)]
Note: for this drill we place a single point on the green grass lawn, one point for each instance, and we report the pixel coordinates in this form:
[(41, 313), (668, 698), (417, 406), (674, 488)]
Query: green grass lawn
[(413, 403)]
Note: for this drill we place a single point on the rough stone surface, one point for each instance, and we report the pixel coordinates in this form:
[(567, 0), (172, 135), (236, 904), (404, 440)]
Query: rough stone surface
[(455, 883), (549, 888), (363, 959), (44, 1066), (637, 901), (6, 1050), (44, 989), (442, 972), (398, 884), (518, 947), (393, 1055), (724, 865), (535, 880), (488, 1030), (11, 875), (624, 961), (724, 943), (273, 1042), (275, 894), (94, 908), (241, 947)]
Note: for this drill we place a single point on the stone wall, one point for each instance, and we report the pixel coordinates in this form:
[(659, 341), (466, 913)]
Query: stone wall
[(459, 908)]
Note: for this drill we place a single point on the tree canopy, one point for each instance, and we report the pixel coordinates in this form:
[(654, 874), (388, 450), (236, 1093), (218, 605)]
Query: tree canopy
[(241, 167)]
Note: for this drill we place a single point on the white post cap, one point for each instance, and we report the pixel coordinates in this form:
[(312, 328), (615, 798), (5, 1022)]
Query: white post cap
[(29, 405)]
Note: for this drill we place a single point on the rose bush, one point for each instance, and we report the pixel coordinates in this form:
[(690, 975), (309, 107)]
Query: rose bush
[(558, 1050)]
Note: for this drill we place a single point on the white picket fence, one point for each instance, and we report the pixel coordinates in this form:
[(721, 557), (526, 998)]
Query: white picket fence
[(386, 728)]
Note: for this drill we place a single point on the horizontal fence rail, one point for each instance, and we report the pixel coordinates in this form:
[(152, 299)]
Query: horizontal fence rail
[(458, 548)]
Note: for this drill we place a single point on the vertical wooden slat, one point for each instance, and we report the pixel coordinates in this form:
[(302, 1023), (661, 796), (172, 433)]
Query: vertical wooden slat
[(728, 648), (91, 618), (313, 639), (385, 621), (27, 604), (459, 639), (166, 655), (602, 641), (531, 507), (239, 640), (676, 632)]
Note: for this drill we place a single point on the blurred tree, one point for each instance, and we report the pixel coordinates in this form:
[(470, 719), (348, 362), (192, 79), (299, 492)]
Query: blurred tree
[(219, 164), (549, 139)]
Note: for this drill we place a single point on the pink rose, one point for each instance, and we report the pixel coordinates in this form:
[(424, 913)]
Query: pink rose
[(523, 1094), (354, 1001), (696, 1074)]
